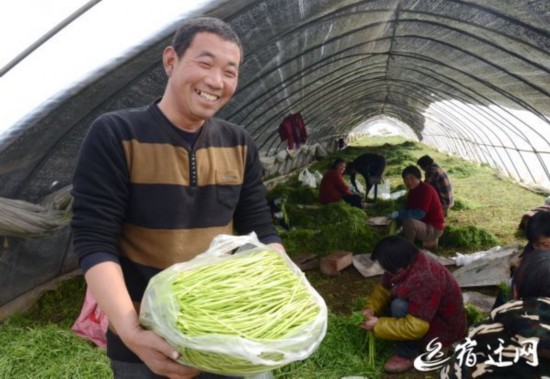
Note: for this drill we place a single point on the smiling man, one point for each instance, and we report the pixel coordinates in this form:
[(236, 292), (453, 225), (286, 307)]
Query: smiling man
[(154, 185)]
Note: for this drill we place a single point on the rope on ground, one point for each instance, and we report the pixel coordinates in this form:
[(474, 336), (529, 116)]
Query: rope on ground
[(22, 219)]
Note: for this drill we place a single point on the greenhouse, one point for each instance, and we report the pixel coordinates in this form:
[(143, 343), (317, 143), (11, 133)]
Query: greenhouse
[(467, 82)]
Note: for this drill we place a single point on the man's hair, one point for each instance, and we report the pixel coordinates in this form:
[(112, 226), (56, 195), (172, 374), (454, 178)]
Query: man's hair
[(538, 226), (532, 279), (190, 27), (394, 252), (336, 162), (411, 170), (424, 161)]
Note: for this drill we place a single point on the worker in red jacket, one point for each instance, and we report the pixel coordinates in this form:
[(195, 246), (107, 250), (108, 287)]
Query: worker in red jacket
[(333, 188), (422, 218), (418, 303)]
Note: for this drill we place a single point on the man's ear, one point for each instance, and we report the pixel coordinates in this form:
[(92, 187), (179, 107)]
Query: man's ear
[(169, 60)]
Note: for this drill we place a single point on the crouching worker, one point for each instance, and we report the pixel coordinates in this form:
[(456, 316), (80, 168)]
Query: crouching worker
[(422, 218), (421, 297), (333, 188)]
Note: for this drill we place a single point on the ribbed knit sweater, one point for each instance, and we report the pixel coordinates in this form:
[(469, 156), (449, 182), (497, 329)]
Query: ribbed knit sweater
[(146, 198)]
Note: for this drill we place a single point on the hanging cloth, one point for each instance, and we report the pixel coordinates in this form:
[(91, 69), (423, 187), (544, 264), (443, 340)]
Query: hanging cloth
[(300, 128), (286, 133)]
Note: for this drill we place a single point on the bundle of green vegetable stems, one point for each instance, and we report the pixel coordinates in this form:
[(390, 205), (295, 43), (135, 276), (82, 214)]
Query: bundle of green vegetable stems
[(359, 319), (255, 296)]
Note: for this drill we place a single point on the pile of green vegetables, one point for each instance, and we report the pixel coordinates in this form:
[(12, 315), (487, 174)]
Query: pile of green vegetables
[(218, 311)]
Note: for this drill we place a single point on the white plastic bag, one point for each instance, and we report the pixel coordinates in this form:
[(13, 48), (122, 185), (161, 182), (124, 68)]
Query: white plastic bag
[(360, 188), (464, 259), (280, 157), (383, 190), (254, 357), (318, 177), (307, 178)]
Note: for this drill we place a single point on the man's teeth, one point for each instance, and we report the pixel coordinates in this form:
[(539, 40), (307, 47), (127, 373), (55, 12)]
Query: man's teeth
[(207, 96)]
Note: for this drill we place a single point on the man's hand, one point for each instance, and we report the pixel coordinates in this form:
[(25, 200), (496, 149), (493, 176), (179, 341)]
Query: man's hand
[(370, 320), (158, 355), (370, 323), (278, 247), (367, 312)]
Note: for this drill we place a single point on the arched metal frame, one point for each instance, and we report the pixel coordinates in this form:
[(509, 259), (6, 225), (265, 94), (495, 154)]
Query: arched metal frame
[(457, 73), (339, 64)]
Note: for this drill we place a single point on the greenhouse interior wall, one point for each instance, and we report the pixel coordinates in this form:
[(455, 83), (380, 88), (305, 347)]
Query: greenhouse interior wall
[(469, 78)]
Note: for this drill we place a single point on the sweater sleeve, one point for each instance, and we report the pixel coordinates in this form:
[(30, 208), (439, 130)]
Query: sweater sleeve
[(379, 299), (100, 191), (253, 212), (405, 213), (406, 328), (341, 185)]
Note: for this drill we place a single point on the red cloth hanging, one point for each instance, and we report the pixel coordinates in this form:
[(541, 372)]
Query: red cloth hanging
[(285, 132), (293, 130), (300, 127)]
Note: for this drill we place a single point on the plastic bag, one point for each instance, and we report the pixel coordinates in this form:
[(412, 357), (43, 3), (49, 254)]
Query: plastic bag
[(384, 191), (464, 259), (318, 177), (161, 316), (92, 323), (307, 178), (280, 157), (360, 188)]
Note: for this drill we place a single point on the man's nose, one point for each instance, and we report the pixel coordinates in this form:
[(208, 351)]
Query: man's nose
[(214, 78)]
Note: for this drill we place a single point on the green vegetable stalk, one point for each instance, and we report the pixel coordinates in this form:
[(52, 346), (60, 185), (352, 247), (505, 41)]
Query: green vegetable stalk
[(371, 349), (255, 297), (359, 318)]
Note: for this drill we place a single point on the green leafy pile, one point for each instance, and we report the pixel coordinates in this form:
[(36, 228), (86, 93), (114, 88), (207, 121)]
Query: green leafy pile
[(474, 314), (461, 170), (461, 204), (327, 228), (295, 194), (343, 352), (467, 237)]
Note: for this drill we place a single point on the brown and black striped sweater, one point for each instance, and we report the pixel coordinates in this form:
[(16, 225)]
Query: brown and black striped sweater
[(145, 198)]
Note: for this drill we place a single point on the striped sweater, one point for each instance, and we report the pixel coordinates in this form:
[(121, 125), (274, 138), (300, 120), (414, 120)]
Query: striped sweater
[(141, 192), (146, 198)]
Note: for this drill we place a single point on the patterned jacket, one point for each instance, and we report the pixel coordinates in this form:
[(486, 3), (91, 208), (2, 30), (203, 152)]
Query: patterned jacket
[(433, 296), (439, 179), (513, 343)]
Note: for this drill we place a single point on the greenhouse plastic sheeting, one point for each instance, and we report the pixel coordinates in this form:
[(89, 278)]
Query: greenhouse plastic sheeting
[(468, 77)]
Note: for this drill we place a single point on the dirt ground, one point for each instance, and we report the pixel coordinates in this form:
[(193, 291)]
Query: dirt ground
[(342, 291)]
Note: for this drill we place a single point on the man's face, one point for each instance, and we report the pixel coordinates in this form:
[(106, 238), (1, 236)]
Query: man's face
[(543, 243), (204, 78), (411, 181), (341, 168)]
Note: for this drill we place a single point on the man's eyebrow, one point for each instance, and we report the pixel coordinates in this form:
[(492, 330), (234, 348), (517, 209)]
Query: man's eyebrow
[(208, 54)]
